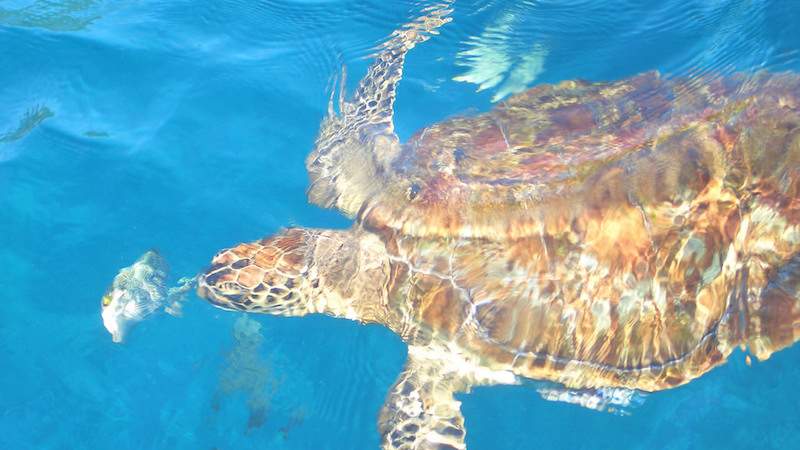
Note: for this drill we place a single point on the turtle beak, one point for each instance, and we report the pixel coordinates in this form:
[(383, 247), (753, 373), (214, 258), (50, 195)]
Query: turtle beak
[(202, 290), (218, 288)]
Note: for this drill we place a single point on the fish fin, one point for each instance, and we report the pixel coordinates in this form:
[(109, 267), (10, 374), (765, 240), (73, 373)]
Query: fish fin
[(140, 309)]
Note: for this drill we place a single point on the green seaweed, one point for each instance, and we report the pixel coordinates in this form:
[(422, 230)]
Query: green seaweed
[(29, 121), (68, 15), (96, 134)]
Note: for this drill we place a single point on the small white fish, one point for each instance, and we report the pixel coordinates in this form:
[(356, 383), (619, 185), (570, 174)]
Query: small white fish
[(136, 292)]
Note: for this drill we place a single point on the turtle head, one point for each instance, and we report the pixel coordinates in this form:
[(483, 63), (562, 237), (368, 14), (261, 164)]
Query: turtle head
[(266, 276), (300, 271)]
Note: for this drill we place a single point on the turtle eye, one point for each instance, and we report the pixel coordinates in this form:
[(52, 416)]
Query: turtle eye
[(413, 191)]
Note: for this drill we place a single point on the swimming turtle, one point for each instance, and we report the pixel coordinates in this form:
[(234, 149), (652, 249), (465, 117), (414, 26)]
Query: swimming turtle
[(596, 235)]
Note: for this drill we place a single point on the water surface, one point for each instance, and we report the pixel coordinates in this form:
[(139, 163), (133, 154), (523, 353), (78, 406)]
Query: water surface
[(184, 125)]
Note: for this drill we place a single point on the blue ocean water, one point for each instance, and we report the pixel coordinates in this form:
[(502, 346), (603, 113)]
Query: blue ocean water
[(184, 125)]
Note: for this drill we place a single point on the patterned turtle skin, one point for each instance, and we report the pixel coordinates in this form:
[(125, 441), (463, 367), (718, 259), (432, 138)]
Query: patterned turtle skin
[(627, 234)]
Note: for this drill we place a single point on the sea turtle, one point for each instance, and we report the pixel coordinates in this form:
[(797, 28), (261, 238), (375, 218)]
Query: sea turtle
[(607, 235)]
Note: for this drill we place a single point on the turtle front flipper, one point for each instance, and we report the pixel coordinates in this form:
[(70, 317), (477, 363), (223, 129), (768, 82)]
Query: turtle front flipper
[(421, 412), (355, 148)]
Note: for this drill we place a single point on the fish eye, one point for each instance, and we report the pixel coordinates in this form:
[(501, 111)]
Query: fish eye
[(106, 300)]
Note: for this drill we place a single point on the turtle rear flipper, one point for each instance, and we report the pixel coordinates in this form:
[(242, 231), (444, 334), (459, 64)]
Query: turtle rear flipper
[(774, 321), (605, 399)]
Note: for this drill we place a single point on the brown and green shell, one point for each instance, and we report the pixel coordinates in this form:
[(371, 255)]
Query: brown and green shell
[(556, 152), (607, 234)]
